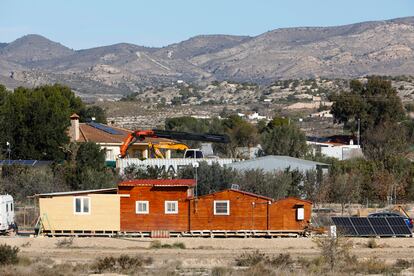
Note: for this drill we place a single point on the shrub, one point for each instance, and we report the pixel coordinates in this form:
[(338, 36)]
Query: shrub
[(221, 271), (250, 259), (158, 245), (282, 261), (403, 264), (372, 243), (155, 245), (65, 242), (179, 245), (8, 254), (123, 263)]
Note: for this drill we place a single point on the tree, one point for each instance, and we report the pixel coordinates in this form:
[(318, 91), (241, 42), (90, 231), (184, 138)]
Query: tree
[(35, 121), (373, 103), (94, 111), (284, 139), (345, 188), (85, 168), (386, 142)]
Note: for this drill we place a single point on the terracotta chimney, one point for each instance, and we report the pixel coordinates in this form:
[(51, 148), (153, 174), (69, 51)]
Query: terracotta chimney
[(74, 127)]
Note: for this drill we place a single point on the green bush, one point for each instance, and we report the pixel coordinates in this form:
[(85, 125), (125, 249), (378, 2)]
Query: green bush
[(8, 254), (123, 264), (158, 245), (250, 259)]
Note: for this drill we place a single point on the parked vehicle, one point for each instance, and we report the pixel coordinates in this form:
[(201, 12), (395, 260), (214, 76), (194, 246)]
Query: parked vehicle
[(7, 222), (408, 220)]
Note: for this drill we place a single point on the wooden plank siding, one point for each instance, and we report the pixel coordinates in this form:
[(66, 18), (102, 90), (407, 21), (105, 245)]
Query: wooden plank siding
[(243, 215), (57, 213), (156, 219), (282, 214), (247, 211)]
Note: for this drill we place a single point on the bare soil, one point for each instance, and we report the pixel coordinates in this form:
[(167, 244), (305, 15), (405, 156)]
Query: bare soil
[(199, 252)]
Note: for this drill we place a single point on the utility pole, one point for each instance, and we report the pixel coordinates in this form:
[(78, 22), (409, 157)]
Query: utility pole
[(195, 166), (359, 131), (8, 151)]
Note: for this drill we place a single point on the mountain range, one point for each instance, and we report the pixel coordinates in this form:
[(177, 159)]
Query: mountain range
[(378, 47)]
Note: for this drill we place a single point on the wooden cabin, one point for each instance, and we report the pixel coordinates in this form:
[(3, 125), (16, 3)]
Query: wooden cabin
[(145, 207), (88, 211), (169, 205), (155, 204), (238, 210)]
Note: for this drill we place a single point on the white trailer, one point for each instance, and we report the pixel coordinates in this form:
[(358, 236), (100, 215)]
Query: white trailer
[(7, 222)]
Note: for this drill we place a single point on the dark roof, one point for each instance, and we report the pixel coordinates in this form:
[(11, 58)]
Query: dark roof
[(159, 182), (98, 191), (88, 133)]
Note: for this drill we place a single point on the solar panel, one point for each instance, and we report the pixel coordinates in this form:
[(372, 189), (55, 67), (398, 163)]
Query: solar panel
[(381, 227), (372, 226), (105, 128), (399, 226), (362, 226), (344, 226)]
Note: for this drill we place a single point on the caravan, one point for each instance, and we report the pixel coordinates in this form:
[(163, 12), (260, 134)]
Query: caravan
[(7, 214)]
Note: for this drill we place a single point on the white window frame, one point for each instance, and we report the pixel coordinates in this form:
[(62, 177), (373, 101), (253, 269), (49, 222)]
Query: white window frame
[(82, 198), (228, 207), (300, 213), (166, 206), (146, 202)]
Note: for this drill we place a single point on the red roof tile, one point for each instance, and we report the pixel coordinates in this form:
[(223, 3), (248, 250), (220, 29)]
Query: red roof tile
[(159, 182)]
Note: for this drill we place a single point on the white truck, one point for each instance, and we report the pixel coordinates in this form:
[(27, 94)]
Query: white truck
[(7, 222)]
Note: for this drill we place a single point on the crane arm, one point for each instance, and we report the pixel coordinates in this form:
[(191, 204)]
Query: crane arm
[(175, 135)]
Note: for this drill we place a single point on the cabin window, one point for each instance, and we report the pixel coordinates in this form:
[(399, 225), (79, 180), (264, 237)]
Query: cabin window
[(300, 213), (82, 205), (222, 207), (171, 207), (142, 207)]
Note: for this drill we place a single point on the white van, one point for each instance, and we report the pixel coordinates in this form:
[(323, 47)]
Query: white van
[(7, 214)]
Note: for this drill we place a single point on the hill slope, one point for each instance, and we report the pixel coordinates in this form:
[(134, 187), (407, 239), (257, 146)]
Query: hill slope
[(380, 47)]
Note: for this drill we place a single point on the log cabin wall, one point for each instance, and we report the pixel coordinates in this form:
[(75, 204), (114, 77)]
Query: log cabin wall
[(157, 217), (246, 212)]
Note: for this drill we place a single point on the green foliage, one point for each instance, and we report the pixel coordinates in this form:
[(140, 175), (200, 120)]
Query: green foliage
[(386, 142), (122, 264), (23, 181), (35, 120), (8, 254), (156, 244), (374, 103), (284, 139), (210, 178), (87, 113), (85, 168)]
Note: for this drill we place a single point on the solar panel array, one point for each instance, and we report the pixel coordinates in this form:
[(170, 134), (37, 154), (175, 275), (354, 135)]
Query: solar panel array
[(372, 227), (32, 163), (105, 128)]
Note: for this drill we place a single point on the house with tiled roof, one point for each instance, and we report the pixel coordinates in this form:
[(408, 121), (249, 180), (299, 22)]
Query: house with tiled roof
[(110, 138)]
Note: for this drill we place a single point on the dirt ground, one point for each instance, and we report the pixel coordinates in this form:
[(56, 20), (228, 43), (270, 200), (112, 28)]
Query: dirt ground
[(199, 252)]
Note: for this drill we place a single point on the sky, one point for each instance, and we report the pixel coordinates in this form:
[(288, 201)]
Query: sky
[(81, 24)]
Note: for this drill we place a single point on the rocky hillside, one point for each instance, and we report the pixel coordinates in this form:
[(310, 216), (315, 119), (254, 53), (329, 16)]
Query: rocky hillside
[(381, 47)]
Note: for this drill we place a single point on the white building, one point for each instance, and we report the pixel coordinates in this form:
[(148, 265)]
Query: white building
[(340, 151)]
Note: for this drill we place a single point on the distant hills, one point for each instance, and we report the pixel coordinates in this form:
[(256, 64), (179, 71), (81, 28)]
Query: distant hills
[(380, 47)]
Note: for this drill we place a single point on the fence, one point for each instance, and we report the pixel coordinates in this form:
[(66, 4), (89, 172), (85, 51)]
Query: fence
[(172, 165), (26, 217)]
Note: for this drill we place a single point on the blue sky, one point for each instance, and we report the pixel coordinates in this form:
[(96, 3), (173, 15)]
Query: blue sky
[(83, 24)]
